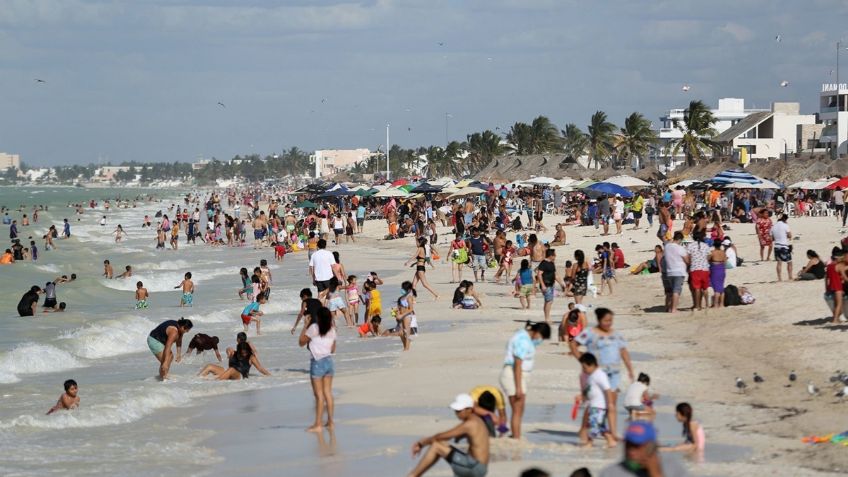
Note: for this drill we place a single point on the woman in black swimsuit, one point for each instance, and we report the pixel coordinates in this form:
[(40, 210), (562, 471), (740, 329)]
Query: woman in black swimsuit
[(420, 259), (239, 365)]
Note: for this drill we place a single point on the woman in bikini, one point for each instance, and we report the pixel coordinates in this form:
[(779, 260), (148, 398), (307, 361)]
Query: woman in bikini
[(420, 259), (239, 365)]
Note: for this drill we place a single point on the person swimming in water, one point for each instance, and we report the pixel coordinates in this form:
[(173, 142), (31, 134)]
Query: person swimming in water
[(69, 399)]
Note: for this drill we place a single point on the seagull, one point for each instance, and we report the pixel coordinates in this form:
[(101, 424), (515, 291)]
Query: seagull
[(222, 104), (740, 385), (792, 376), (37, 80), (489, 58), (323, 100), (784, 83), (777, 38), (758, 378), (812, 390), (686, 88), (441, 43), (843, 393)]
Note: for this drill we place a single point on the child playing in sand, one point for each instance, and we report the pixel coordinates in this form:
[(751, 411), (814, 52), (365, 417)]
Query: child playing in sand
[(505, 266), (370, 328), (140, 296), (251, 312), (638, 401), (573, 322), (188, 291), (375, 303), (596, 391), (693, 432), (69, 400)]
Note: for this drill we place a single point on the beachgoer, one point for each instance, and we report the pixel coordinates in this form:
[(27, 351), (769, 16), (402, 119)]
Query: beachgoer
[(28, 305), (251, 312), (833, 285), (163, 337), (814, 269), (495, 410), (320, 335), (673, 268), (141, 296), (238, 365), (763, 227), (69, 399), (420, 259), (524, 283), (308, 308), (458, 254), (518, 364), (321, 268), (371, 328), (597, 393), (699, 268), (641, 456), (203, 342), (107, 269), (187, 286), (782, 246), (547, 277), (693, 433), (638, 401), (718, 270), (473, 463)]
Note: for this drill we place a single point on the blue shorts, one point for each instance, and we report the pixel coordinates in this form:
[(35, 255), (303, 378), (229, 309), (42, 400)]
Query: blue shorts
[(479, 262), (549, 294), (597, 422), (322, 367), (614, 377)]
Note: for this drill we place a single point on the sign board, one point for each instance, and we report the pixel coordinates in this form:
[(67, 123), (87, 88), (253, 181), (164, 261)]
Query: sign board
[(828, 87)]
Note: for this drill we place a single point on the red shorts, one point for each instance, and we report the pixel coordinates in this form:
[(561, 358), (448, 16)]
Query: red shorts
[(699, 279), (246, 319)]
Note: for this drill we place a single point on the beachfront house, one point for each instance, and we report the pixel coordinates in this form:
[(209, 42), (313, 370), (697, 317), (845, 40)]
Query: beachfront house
[(767, 134)]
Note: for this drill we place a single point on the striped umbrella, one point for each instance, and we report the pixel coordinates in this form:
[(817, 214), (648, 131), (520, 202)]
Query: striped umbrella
[(736, 176)]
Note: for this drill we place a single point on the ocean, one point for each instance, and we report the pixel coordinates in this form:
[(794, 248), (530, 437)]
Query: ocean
[(129, 423)]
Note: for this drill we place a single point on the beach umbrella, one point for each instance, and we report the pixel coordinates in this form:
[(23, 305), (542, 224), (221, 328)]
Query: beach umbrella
[(366, 192), (627, 181), (564, 182), (392, 192), (736, 176), (767, 184), (406, 188), (541, 180), (686, 183), (339, 191), (466, 191), (841, 183), (610, 189), (400, 182), (426, 188), (306, 204), (582, 184)]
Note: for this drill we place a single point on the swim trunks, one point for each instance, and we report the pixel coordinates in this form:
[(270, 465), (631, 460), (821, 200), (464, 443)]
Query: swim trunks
[(156, 346), (187, 298), (465, 465), (141, 305), (597, 422), (246, 319)]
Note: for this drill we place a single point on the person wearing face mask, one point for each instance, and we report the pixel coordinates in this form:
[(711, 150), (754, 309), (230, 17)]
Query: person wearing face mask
[(518, 363), (610, 348)]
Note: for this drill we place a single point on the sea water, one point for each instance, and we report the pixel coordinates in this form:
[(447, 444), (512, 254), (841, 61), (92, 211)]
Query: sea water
[(126, 423)]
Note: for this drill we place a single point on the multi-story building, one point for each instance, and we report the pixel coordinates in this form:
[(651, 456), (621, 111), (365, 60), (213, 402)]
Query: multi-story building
[(331, 161), (834, 116), (730, 111), (767, 134), (9, 160)]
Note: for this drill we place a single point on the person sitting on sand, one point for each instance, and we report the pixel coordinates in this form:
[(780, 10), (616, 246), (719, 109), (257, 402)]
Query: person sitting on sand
[(573, 322), (69, 399), (694, 438), (559, 237), (814, 269), (466, 297), (202, 342), (597, 393), (638, 401), (475, 462), (239, 365), (371, 328), (652, 265)]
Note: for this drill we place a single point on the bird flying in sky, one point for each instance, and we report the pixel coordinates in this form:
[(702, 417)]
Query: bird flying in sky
[(222, 104), (37, 80)]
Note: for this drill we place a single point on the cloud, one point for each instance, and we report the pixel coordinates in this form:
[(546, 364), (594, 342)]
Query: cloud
[(739, 32), (814, 38)]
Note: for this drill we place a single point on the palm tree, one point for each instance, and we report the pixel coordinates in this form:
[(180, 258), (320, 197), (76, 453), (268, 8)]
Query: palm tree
[(697, 130), (544, 135), (600, 138), (574, 142), (635, 138), (520, 138), (482, 147), (442, 162)]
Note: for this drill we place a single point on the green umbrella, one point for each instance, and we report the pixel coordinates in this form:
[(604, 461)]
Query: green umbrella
[(306, 204), (366, 192), (407, 187)]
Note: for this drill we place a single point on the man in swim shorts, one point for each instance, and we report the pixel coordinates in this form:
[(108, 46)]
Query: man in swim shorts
[(475, 462)]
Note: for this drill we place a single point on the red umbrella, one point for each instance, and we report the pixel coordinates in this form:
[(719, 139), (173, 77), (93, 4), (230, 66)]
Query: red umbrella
[(400, 182), (841, 183)]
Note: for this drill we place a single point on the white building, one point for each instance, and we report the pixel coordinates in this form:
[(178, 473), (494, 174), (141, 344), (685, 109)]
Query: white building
[(9, 160), (767, 134), (730, 111), (331, 161), (835, 118)]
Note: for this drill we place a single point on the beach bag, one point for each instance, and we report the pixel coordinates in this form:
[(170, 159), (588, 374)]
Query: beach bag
[(435, 255), (731, 296), (460, 255), (493, 263)]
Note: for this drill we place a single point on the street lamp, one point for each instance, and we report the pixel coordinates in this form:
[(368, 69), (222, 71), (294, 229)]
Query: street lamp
[(447, 116)]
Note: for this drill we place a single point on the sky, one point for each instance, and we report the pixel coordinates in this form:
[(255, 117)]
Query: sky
[(141, 80)]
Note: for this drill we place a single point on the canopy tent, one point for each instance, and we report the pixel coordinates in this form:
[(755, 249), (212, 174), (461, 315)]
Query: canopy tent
[(541, 180), (366, 192), (627, 181), (426, 188), (466, 191), (810, 185), (841, 184), (610, 189), (316, 188), (564, 182), (339, 191), (582, 184), (306, 204), (685, 183), (443, 182), (736, 176), (392, 192)]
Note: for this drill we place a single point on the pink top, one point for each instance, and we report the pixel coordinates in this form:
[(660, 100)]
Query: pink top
[(320, 346)]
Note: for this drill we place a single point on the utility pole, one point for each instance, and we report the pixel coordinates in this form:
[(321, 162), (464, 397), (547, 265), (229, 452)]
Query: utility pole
[(387, 152)]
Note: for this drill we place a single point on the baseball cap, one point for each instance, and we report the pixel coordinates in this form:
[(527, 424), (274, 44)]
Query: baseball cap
[(462, 402), (640, 432)]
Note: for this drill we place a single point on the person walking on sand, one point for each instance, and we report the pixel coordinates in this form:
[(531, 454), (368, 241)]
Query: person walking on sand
[(321, 338), (763, 226), (420, 259), (473, 463), (782, 246), (547, 277), (610, 349), (518, 363), (163, 337)]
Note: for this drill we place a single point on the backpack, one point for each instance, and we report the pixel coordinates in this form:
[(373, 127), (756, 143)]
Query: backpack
[(731, 296)]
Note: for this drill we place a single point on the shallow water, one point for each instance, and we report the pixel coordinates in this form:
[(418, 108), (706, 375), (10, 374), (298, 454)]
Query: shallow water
[(127, 419)]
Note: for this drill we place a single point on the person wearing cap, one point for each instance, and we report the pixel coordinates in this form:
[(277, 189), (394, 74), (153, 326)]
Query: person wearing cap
[(473, 463), (641, 456), (833, 291)]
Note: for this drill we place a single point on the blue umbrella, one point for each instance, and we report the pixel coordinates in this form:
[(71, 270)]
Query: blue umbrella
[(736, 176), (610, 189)]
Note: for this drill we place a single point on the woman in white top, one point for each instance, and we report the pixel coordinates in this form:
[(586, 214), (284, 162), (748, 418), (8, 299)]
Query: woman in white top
[(321, 338), (618, 213)]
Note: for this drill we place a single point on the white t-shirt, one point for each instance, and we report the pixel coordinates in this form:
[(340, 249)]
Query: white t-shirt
[(593, 388), (780, 233), (731, 257), (322, 264), (838, 197), (320, 346), (674, 254), (633, 396)]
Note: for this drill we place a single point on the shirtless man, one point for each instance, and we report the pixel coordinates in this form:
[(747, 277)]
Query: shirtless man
[(107, 269), (258, 229), (665, 223), (472, 464)]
